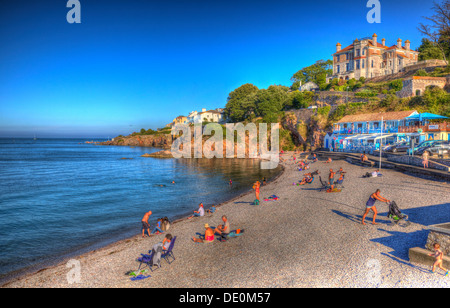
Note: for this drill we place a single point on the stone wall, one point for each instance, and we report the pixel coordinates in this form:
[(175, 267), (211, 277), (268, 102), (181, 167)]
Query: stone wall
[(416, 161), (417, 85), (442, 239), (425, 64)]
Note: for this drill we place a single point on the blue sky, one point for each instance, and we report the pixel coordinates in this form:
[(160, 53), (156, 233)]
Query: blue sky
[(134, 63)]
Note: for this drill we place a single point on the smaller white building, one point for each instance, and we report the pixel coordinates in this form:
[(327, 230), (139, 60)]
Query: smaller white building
[(215, 116)]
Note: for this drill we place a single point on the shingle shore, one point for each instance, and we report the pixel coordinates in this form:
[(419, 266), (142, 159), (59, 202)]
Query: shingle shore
[(306, 239)]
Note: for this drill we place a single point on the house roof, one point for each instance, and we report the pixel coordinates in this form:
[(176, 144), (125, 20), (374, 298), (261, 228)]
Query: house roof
[(370, 117), (210, 111)]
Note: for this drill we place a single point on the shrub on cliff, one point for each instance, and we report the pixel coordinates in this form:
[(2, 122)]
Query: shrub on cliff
[(396, 85), (421, 73)]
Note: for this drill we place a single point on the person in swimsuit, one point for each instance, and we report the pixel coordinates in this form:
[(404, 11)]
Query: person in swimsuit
[(209, 236), (439, 255), (256, 187), (145, 225), (331, 178), (370, 205)]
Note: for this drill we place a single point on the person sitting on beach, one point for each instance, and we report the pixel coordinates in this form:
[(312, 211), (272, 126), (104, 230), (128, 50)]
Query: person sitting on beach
[(166, 241), (315, 158), (211, 210), (224, 229), (208, 238), (307, 179), (145, 225), (370, 205), (158, 229), (199, 213), (329, 161)]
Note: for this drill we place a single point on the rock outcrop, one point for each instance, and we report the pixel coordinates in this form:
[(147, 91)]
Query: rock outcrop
[(158, 141)]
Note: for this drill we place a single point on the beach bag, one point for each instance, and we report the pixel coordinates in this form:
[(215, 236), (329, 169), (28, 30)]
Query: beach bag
[(165, 225), (256, 202)]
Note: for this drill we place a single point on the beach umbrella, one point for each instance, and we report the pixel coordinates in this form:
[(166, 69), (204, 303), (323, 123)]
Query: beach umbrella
[(426, 116)]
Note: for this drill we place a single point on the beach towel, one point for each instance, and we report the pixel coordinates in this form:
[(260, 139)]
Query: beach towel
[(235, 234), (139, 277)]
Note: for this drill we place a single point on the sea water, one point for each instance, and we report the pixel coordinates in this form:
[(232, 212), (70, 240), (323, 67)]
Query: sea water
[(62, 197)]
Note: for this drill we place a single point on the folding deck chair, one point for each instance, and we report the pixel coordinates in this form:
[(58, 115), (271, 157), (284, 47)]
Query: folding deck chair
[(169, 252)]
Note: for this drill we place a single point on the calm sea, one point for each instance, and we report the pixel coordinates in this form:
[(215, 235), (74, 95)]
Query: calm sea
[(62, 197)]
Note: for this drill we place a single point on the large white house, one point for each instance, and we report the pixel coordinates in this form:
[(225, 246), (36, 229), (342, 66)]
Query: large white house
[(215, 116)]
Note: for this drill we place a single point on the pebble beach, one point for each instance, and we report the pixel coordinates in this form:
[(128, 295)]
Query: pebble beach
[(307, 238)]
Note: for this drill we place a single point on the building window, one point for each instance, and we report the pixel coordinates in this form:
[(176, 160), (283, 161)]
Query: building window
[(348, 66), (347, 56), (363, 63), (357, 64), (338, 69), (358, 52), (372, 63)]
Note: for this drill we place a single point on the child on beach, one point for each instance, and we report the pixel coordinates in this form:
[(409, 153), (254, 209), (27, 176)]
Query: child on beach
[(145, 225), (370, 205), (439, 255), (211, 210)]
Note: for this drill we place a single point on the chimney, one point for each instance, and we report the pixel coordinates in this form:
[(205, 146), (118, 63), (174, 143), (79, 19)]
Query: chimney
[(383, 41), (399, 43), (338, 47), (374, 39), (408, 45)]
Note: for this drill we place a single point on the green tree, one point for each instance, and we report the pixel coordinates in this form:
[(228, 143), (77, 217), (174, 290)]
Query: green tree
[(316, 73), (271, 101), (429, 50), (241, 103)]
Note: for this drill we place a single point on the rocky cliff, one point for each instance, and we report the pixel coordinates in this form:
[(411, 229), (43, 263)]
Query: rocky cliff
[(157, 141)]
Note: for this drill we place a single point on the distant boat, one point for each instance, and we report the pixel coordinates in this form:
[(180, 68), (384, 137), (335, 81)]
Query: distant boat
[(34, 137)]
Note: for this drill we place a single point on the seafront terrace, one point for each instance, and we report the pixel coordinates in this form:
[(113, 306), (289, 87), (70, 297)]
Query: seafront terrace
[(436, 127)]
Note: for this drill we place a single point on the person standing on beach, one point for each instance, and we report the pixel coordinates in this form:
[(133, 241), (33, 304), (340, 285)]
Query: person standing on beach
[(145, 225), (425, 159), (256, 187), (331, 178), (439, 255), (370, 205)]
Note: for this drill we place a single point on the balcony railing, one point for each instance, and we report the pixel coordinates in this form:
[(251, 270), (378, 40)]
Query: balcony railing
[(438, 127), (358, 131)]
